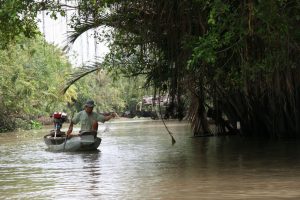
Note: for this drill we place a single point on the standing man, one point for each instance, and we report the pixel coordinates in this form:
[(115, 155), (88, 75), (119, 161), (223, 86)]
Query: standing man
[(88, 119)]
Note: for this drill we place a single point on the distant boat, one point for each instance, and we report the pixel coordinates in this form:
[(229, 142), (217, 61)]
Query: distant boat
[(85, 141)]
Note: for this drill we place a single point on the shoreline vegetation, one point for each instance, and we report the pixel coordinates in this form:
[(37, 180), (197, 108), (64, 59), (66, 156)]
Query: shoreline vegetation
[(232, 61)]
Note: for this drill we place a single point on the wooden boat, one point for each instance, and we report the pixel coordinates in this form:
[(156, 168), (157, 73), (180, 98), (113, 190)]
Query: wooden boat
[(85, 141), (56, 140)]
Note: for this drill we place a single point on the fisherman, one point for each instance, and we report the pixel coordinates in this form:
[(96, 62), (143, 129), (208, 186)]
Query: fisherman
[(89, 119)]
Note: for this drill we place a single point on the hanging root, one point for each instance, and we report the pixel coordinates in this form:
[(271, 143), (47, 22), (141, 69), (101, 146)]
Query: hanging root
[(162, 119)]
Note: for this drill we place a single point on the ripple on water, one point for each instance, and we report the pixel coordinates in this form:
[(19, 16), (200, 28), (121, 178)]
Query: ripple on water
[(137, 161)]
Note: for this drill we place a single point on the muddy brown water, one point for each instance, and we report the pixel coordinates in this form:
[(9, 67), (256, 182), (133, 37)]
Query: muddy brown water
[(136, 160)]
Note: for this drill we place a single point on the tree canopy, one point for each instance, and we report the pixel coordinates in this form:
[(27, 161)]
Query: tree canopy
[(239, 58)]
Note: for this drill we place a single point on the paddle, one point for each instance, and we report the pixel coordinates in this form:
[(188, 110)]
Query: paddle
[(67, 134), (65, 142)]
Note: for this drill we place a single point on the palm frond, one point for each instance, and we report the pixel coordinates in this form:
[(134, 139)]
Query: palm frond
[(79, 30), (80, 73), (88, 24)]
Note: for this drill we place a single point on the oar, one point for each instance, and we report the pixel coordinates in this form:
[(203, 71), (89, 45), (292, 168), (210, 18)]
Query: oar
[(67, 134), (65, 142)]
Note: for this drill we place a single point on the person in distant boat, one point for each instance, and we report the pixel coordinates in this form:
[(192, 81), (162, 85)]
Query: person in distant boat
[(89, 119)]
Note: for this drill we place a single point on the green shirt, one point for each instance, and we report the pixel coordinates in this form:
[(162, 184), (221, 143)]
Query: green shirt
[(86, 121)]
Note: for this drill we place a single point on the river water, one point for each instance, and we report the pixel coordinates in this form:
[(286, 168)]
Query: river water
[(136, 160)]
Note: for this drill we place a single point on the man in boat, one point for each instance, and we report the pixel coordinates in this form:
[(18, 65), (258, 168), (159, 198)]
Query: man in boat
[(88, 119)]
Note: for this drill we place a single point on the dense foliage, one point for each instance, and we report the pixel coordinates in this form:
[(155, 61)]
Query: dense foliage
[(238, 58), (110, 93), (31, 75), (20, 16)]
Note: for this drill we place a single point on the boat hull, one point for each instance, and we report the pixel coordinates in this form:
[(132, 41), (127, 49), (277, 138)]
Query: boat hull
[(83, 142)]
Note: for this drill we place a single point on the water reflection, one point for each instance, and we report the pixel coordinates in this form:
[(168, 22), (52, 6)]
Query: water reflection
[(137, 161)]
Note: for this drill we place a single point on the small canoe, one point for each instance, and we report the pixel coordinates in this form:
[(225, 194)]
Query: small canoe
[(85, 141)]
